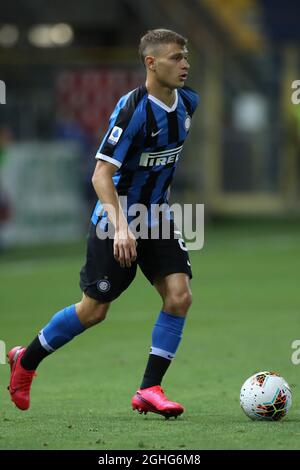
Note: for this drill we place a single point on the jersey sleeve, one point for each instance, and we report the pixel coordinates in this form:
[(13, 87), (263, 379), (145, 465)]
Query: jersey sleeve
[(125, 122)]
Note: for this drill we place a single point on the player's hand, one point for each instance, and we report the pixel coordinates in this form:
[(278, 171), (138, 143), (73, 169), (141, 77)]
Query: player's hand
[(125, 248)]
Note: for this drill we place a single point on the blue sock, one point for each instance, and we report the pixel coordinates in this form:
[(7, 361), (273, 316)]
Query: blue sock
[(166, 335), (63, 326)]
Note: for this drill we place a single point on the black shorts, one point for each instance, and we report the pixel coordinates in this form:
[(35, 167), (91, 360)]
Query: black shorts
[(102, 277)]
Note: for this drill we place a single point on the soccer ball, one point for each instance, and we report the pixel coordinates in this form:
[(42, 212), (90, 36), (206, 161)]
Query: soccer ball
[(266, 396)]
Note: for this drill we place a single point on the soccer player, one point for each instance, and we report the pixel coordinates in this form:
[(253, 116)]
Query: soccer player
[(137, 159)]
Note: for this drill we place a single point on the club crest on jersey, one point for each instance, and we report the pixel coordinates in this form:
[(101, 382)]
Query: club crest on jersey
[(164, 157), (103, 285), (115, 135), (187, 122)]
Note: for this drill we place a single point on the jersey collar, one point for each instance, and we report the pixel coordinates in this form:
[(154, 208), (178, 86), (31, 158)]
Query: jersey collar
[(163, 105)]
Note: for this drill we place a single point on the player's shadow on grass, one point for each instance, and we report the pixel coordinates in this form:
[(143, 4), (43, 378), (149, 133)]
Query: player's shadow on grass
[(151, 417)]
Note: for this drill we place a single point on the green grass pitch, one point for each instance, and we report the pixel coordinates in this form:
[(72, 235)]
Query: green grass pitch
[(244, 317)]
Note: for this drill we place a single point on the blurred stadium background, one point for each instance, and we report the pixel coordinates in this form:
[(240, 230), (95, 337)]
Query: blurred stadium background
[(64, 65)]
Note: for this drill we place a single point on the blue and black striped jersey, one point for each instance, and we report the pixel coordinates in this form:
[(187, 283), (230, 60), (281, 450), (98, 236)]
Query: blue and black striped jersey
[(144, 140)]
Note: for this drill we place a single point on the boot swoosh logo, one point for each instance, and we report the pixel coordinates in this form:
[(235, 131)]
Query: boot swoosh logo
[(153, 134)]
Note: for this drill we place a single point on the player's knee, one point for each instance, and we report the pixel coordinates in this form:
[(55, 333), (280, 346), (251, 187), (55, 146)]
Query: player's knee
[(97, 314), (178, 302), (91, 312)]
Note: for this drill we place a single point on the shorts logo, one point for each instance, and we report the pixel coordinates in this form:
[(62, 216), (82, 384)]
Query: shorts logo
[(103, 285), (187, 122), (115, 135)]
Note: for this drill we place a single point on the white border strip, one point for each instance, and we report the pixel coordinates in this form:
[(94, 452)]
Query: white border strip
[(101, 156), (163, 105), (44, 342), (162, 353)]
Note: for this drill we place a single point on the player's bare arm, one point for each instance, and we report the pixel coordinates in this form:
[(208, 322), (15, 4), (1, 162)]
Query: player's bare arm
[(124, 241)]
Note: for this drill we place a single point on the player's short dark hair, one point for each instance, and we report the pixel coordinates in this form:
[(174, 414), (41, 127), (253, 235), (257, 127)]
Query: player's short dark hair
[(156, 37)]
